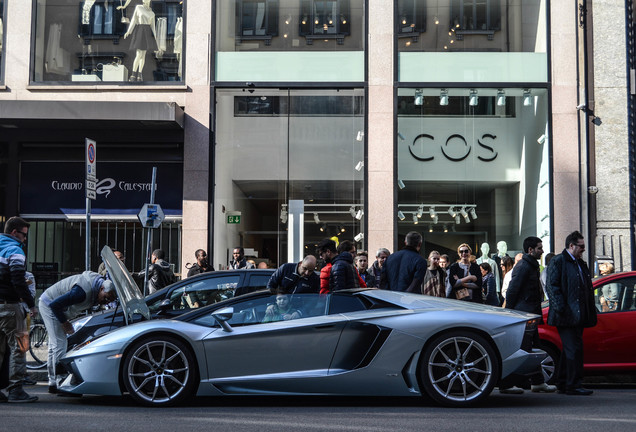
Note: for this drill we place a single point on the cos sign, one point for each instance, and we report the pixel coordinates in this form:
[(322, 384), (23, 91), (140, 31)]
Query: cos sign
[(455, 148)]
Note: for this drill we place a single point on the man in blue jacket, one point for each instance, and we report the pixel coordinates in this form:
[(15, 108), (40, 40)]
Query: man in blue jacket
[(13, 291), (572, 308), (405, 269), (295, 278)]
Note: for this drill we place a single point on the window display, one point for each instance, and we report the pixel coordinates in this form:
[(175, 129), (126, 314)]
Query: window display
[(109, 41)]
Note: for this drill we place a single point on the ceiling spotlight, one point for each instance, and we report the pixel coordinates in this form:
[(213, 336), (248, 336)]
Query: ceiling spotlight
[(415, 219), (359, 214), (527, 98), (352, 211), (443, 97), (436, 20), (316, 218), (430, 228), (343, 19), (501, 98), (458, 219), (359, 166), (342, 228), (432, 212), (464, 214), (452, 212), (283, 213), (435, 219), (473, 213), (473, 98), (288, 19), (401, 215), (419, 97), (401, 184), (445, 228), (360, 136), (541, 139), (359, 237), (420, 211), (453, 228), (323, 228)]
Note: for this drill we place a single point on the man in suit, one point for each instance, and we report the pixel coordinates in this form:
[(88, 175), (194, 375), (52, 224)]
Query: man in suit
[(572, 308)]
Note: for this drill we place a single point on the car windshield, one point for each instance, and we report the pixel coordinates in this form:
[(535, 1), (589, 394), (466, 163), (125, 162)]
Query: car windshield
[(130, 298)]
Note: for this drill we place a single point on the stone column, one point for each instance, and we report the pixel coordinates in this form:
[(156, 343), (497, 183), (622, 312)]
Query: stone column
[(381, 134)]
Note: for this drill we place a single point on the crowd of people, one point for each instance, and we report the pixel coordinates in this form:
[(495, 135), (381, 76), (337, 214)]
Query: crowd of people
[(518, 284)]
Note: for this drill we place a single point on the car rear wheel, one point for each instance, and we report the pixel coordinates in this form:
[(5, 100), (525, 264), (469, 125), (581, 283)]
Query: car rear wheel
[(549, 364), (159, 371), (459, 368)]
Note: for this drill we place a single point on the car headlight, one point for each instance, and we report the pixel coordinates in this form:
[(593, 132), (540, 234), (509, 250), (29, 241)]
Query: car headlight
[(79, 323)]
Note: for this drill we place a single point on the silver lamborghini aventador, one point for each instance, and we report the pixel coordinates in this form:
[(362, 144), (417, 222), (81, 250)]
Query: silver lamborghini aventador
[(355, 342)]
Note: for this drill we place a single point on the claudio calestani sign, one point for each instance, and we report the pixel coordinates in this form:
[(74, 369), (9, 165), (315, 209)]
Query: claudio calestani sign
[(57, 188)]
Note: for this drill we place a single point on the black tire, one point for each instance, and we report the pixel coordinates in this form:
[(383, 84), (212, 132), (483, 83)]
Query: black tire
[(459, 368), (160, 371), (38, 347), (550, 364)]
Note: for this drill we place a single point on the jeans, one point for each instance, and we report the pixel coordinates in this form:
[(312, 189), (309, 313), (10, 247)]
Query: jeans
[(57, 340), (570, 371)]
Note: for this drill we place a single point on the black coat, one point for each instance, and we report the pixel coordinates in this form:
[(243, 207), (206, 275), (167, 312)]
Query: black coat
[(455, 272), (196, 269), (343, 274), (569, 306), (287, 280), (525, 292), (404, 271)]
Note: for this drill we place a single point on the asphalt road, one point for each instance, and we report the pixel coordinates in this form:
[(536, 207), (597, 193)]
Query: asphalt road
[(608, 409)]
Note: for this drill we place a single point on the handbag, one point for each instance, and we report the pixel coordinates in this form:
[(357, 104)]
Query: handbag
[(462, 293), (22, 331)]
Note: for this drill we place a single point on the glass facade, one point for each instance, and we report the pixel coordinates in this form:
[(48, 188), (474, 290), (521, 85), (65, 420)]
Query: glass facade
[(472, 40), (473, 167), (289, 168), (114, 42), (290, 40)]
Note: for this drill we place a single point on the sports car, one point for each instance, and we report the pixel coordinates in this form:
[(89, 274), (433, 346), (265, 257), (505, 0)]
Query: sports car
[(351, 342), (608, 347)]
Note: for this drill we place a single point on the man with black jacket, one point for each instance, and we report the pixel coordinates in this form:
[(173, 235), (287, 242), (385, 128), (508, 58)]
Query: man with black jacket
[(525, 293), (572, 308), (295, 278), (159, 272), (13, 291), (405, 269), (202, 265)]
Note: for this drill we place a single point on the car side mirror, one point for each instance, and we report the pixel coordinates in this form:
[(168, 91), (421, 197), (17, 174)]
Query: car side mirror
[(164, 305), (222, 316)]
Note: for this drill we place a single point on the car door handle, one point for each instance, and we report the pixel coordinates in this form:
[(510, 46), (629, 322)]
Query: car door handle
[(326, 326)]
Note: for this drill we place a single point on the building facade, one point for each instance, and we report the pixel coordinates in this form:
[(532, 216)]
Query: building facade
[(276, 123)]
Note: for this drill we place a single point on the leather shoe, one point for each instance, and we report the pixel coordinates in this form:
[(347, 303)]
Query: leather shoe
[(579, 392), (17, 395)]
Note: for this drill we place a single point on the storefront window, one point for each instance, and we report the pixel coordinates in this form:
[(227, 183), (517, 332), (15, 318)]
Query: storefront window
[(290, 165), (472, 40), (307, 40), (114, 42), (473, 167)]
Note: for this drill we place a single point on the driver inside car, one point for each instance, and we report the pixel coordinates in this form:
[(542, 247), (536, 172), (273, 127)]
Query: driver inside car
[(282, 310)]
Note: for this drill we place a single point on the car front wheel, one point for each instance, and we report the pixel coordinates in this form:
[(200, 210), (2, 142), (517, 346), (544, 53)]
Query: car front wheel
[(459, 368), (159, 371)]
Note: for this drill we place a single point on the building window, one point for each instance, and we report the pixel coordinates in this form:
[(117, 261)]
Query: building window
[(475, 17), (108, 41), (411, 18), (256, 20), (325, 20)]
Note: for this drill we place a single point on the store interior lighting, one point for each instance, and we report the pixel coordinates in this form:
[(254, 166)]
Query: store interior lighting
[(443, 97), (527, 98), (359, 166), (452, 212), (316, 218), (420, 211), (445, 213), (401, 184), (541, 139), (458, 219), (359, 237), (360, 136), (352, 211), (359, 214), (415, 219), (473, 99), (419, 97), (432, 212), (473, 213), (445, 228), (501, 98), (430, 228), (400, 215), (283, 213), (323, 228), (464, 214)]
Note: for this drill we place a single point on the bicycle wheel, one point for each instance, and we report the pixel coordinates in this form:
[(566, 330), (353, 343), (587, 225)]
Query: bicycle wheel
[(38, 347)]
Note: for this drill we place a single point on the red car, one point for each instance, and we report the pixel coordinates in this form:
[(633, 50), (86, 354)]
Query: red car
[(610, 346)]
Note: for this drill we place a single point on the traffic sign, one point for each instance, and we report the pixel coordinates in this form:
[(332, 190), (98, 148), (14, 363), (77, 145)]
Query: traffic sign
[(90, 194), (91, 160), (151, 215)]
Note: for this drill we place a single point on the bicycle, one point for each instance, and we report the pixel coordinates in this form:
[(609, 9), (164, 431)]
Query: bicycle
[(38, 346)]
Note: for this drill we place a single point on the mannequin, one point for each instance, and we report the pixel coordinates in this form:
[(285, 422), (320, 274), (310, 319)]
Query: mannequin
[(485, 248), (502, 251), (142, 29)]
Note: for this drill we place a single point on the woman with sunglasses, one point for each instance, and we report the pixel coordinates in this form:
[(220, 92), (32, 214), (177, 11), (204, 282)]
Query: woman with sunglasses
[(465, 277)]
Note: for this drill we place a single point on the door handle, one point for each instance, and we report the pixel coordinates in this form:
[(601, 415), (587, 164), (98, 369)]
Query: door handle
[(326, 326)]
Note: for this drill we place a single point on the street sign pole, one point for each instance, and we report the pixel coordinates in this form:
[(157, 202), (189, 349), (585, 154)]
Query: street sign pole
[(91, 178), (149, 230)]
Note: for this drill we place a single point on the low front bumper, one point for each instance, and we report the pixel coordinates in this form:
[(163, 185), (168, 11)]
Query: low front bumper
[(93, 374)]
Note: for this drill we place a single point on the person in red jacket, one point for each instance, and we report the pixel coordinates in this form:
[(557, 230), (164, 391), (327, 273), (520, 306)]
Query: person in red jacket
[(327, 251)]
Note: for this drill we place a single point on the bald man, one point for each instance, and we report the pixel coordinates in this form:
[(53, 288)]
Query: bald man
[(292, 278)]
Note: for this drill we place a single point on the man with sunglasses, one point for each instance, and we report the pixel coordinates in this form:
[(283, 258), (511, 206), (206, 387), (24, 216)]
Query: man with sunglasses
[(13, 291), (572, 308)]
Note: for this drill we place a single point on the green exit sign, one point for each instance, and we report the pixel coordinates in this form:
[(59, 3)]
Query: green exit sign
[(234, 219)]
